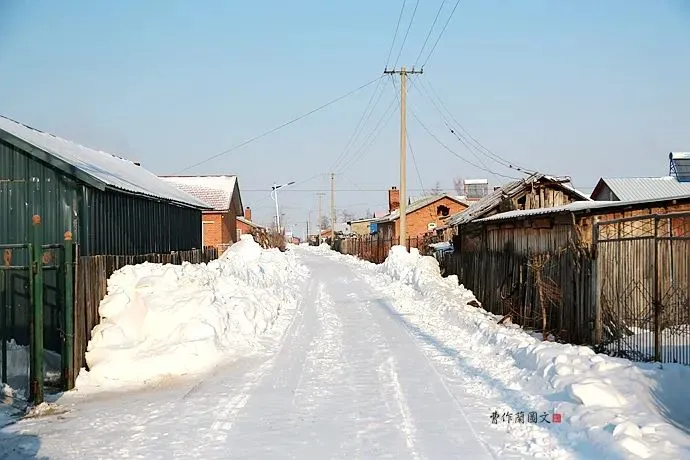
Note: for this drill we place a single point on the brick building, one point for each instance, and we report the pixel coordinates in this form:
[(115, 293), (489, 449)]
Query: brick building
[(222, 193), (245, 224), (423, 215)]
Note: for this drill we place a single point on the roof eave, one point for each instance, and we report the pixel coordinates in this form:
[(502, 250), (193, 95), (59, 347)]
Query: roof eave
[(52, 160)]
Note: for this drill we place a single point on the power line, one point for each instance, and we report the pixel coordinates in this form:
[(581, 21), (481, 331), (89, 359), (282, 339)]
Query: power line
[(396, 33), (414, 161), (453, 151), (409, 26), (366, 115), (484, 150), (429, 34), (441, 34), (271, 131), (373, 135)]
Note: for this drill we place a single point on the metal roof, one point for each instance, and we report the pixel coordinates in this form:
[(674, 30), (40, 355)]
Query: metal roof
[(215, 190), (491, 201), (419, 204), (577, 207), (99, 169), (644, 188)]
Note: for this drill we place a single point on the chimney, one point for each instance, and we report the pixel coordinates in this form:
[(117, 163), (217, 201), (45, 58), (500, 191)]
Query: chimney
[(393, 199), (248, 213)]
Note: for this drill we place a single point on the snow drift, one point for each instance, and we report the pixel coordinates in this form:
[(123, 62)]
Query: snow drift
[(610, 407), (173, 320)]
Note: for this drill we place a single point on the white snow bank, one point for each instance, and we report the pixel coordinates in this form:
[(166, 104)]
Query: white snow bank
[(609, 406), (172, 320)]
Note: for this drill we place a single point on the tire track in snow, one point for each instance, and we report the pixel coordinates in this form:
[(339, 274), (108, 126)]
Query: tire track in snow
[(387, 369)]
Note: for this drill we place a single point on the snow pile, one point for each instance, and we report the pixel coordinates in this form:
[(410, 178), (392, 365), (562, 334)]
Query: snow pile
[(611, 406), (171, 320)]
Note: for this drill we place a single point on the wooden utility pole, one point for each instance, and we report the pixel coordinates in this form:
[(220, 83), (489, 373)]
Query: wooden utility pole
[(318, 223), (332, 205), (403, 147)]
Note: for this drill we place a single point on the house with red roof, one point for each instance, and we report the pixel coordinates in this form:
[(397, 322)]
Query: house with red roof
[(222, 193)]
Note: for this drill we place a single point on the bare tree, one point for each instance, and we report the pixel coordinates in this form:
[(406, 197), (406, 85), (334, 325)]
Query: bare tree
[(437, 190), (346, 216), (459, 185), (325, 222)]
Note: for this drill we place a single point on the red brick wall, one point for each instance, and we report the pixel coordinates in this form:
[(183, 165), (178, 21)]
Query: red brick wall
[(219, 229), (417, 221)]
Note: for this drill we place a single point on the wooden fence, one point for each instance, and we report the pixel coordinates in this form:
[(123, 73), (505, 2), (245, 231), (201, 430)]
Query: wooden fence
[(91, 282), (375, 249)]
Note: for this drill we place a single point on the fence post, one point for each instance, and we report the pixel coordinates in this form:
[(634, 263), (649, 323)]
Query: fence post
[(36, 367), (67, 357), (655, 294)]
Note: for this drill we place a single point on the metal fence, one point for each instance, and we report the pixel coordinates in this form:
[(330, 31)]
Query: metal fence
[(643, 280)]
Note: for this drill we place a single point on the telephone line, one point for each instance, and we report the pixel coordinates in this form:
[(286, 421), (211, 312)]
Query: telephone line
[(426, 40), (271, 131), (441, 34)]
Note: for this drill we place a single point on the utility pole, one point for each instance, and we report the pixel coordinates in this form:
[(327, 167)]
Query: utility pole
[(318, 222), (403, 72), (333, 205)]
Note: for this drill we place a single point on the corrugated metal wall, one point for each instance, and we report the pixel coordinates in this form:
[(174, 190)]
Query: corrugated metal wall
[(102, 222), (28, 187), (120, 224)]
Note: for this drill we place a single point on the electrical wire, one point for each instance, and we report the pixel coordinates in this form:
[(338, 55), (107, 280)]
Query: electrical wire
[(484, 150), (441, 34), (373, 135), (395, 35), (287, 123), (441, 143), (409, 26), (366, 115), (426, 40)]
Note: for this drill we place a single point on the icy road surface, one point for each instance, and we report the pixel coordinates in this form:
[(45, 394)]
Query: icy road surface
[(348, 374)]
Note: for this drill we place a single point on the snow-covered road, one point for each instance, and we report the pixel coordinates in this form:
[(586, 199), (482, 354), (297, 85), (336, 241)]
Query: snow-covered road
[(353, 371)]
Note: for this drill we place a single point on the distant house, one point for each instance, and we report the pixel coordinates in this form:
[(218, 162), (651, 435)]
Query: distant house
[(222, 193), (363, 227), (533, 192), (423, 215), (676, 184), (245, 226)]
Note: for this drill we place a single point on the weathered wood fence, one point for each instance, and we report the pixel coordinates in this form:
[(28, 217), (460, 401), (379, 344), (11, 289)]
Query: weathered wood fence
[(375, 248), (91, 282)]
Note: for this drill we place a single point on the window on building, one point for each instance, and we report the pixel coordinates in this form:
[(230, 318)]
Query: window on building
[(442, 210)]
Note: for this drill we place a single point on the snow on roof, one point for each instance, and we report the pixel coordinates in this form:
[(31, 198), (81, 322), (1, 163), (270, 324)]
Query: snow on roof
[(94, 167), (249, 222), (575, 207), (419, 204), (215, 190), (476, 181), (645, 188), (488, 203)]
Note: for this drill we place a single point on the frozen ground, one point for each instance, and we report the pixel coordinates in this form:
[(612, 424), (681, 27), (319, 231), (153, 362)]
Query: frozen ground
[(370, 362)]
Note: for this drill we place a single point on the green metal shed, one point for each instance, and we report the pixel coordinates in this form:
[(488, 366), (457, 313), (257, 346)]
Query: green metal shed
[(110, 205)]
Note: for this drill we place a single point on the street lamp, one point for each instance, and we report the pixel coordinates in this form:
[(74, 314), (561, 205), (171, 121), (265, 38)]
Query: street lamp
[(274, 195)]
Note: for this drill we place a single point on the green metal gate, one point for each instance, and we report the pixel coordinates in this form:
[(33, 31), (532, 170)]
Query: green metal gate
[(36, 320)]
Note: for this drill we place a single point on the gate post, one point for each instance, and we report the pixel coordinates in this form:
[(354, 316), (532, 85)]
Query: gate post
[(67, 357), (36, 369), (655, 294)]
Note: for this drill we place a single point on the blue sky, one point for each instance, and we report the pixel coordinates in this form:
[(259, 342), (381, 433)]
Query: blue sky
[(580, 88)]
